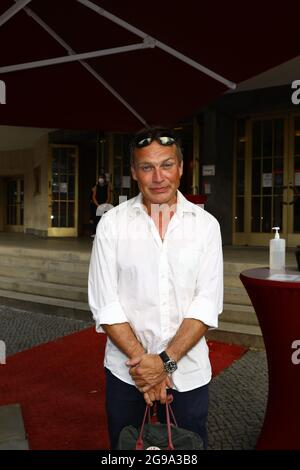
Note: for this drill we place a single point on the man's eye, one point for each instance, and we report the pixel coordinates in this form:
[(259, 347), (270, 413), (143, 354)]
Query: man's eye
[(146, 167), (167, 165)]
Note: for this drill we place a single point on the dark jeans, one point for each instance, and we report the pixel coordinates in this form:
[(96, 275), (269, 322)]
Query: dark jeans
[(125, 405)]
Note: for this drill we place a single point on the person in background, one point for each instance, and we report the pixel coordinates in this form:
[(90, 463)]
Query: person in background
[(100, 194)]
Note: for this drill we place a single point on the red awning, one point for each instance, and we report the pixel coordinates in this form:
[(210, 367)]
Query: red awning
[(234, 42)]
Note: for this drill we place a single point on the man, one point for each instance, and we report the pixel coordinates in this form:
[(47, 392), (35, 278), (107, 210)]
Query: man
[(155, 287)]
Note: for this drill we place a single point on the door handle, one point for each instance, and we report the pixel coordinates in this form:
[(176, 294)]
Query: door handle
[(291, 186), (288, 203)]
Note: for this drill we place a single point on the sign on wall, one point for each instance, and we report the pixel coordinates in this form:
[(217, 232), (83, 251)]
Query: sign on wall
[(267, 180), (208, 170)]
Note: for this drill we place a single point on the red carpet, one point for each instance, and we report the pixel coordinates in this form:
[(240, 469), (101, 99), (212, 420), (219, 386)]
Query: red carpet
[(60, 386)]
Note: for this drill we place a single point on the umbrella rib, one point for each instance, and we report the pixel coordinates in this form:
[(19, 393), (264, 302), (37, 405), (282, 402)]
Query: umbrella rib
[(159, 44), (48, 29), (84, 64), (72, 58), (113, 92), (8, 14)]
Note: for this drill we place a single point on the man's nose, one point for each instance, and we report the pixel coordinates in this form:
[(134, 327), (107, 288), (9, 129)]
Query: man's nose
[(157, 175)]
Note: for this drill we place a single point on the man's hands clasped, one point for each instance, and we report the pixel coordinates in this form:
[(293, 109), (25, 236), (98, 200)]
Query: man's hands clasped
[(150, 377)]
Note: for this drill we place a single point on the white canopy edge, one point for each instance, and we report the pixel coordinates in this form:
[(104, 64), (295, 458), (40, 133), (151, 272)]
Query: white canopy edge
[(282, 74)]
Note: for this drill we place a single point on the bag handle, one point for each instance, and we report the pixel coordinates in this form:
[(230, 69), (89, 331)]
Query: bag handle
[(140, 444)]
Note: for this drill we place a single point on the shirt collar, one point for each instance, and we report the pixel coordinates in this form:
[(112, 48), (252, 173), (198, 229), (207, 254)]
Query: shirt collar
[(182, 206)]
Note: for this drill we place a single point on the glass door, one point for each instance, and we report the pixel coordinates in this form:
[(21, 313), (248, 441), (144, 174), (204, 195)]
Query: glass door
[(267, 187), (292, 201), (63, 191), (15, 205), (267, 180)]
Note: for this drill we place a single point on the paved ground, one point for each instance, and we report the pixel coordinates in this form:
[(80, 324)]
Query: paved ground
[(237, 395), (22, 330)]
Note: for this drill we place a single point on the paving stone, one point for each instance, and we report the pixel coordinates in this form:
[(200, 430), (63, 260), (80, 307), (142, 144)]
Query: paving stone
[(11, 423), (15, 445), (22, 330)]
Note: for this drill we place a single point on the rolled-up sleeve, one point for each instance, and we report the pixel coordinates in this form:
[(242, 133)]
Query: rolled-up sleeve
[(207, 303), (103, 276)]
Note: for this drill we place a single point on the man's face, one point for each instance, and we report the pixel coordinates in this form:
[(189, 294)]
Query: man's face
[(157, 172)]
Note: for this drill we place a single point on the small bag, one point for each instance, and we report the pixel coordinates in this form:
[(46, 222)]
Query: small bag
[(159, 436)]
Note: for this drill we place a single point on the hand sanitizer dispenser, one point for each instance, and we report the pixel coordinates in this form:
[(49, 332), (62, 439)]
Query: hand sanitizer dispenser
[(277, 252)]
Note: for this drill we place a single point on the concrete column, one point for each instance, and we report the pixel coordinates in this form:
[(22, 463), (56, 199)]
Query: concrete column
[(196, 156), (218, 151), (110, 145)]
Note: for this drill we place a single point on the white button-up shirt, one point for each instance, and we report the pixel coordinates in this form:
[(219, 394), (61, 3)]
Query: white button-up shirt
[(154, 285)]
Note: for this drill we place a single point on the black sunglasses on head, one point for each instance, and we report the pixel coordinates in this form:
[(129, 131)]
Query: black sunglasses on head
[(164, 137)]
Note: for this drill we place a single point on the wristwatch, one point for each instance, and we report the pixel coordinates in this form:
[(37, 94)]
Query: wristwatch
[(169, 364)]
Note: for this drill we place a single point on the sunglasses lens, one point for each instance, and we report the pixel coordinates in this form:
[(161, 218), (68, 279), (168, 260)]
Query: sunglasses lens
[(160, 136), (143, 142), (165, 140)]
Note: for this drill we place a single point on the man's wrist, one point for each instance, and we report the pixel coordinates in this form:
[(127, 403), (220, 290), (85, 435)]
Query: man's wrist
[(169, 363), (171, 353), (139, 351)]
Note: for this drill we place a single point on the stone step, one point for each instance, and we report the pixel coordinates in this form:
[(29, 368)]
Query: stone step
[(236, 295), (44, 264), (233, 280), (232, 295), (50, 254), (47, 289), (64, 272), (47, 305), (56, 277), (12, 431), (237, 333), (243, 314), (237, 268), (53, 259), (78, 268)]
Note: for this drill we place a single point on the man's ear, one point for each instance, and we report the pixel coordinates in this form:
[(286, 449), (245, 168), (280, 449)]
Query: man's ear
[(133, 173), (181, 168)]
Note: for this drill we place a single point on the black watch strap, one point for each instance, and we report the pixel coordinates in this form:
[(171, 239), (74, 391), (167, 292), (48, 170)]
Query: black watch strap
[(164, 356)]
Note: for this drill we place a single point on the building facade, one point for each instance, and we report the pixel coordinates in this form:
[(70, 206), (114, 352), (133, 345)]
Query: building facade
[(46, 181), (242, 152), (253, 139)]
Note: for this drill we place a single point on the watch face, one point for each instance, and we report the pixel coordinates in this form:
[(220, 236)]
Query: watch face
[(170, 366)]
